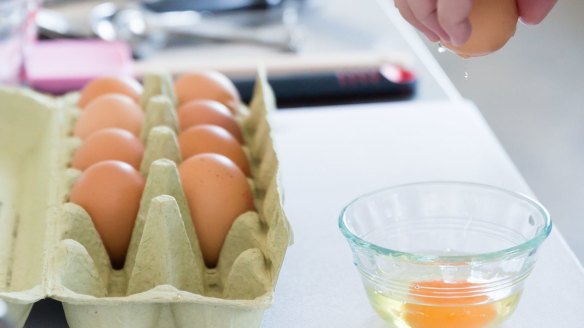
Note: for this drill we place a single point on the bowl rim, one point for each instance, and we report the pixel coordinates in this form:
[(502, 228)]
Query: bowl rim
[(528, 245)]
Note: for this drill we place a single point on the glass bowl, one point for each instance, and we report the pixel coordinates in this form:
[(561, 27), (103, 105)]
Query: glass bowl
[(444, 254)]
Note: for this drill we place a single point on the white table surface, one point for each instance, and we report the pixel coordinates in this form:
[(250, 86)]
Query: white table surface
[(328, 157)]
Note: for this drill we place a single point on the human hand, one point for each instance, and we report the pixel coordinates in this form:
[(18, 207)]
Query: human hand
[(447, 20)]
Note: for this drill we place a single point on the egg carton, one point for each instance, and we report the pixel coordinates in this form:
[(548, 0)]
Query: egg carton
[(50, 247)]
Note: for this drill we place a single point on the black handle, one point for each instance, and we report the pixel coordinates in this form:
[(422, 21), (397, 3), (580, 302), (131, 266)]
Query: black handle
[(390, 82), (207, 5)]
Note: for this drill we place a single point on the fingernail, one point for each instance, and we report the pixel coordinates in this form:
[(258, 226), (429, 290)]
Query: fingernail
[(445, 41), (455, 42), (524, 22), (432, 38), (444, 36)]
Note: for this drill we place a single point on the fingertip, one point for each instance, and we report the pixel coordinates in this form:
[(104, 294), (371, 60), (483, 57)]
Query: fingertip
[(531, 20), (406, 12), (461, 34), (453, 16), (533, 12), (432, 37), (457, 41), (527, 21), (440, 32)]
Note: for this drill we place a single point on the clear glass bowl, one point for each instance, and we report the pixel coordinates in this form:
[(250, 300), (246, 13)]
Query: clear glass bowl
[(444, 254)]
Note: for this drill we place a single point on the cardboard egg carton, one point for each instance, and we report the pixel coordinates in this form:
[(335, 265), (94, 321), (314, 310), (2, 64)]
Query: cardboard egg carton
[(50, 247)]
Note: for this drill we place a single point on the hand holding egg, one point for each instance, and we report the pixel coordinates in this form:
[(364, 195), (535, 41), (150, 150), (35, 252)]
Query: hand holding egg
[(472, 27)]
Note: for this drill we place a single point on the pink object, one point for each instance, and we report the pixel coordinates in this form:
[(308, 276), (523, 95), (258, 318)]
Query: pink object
[(58, 66)]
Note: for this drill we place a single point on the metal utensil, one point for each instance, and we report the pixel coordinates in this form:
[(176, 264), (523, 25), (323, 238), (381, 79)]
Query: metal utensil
[(147, 31)]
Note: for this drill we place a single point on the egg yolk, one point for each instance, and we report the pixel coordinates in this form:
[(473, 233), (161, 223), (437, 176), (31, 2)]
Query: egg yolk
[(432, 311)]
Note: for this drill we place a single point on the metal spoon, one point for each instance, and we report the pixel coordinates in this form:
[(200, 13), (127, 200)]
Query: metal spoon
[(148, 31), (54, 25)]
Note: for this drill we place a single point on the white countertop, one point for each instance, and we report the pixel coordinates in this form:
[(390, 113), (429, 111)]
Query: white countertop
[(329, 157)]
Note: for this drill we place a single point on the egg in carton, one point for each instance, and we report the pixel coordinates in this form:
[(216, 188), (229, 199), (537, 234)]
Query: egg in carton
[(164, 282)]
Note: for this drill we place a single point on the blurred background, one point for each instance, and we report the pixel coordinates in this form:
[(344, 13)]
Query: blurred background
[(532, 94), (530, 91)]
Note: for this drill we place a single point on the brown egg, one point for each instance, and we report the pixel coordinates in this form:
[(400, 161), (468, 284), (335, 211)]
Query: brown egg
[(109, 144), (198, 112), (110, 192), (110, 111), (110, 84), (212, 139), (493, 24), (217, 193), (207, 85)]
